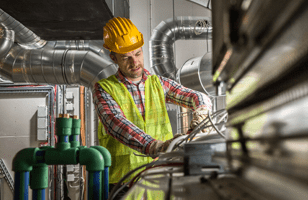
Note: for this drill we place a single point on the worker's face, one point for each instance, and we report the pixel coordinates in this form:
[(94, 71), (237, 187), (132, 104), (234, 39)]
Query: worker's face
[(130, 64)]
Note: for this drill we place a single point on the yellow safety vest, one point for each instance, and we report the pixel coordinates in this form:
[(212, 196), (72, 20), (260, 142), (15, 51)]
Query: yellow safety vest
[(156, 123)]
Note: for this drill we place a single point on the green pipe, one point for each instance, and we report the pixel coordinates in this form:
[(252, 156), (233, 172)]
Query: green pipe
[(64, 157), (105, 176), (39, 176), (92, 158), (74, 138), (24, 160), (94, 162), (64, 130), (106, 154)]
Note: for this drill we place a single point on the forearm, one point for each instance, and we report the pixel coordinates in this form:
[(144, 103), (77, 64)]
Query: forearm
[(126, 132), (185, 97)]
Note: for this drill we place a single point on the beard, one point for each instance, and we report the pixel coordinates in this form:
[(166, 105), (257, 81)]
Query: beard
[(138, 74)]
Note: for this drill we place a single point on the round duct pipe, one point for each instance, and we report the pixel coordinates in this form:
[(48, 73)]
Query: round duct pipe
[(6, 41), (23, 36), (50, 66), (167, 32), (196, 73)]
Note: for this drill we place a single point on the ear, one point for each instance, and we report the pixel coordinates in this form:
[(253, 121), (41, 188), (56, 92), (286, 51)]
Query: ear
[(113, 58)]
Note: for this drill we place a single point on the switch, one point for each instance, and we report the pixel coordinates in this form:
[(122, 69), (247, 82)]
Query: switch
[(41, 134), (70, 168), (69, 95), (42, 111), (70, 177), (69, 106), (41, 122)]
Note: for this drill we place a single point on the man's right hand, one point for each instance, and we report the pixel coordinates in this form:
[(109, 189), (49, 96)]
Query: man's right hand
[(159, 146)]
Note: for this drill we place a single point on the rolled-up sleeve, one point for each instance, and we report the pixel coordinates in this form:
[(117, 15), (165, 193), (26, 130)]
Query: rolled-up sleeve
[(178, 94)]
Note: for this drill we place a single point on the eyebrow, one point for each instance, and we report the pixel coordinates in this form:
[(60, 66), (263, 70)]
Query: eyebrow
[(122, 56)]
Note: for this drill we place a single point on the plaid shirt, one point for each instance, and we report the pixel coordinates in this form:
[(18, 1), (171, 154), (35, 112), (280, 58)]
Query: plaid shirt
[(120, 128)]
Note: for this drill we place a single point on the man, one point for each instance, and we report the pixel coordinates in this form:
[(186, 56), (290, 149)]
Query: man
[(131, 103)]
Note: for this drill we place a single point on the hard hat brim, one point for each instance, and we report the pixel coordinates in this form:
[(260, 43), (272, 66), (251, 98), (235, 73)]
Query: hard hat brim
[(123, 50)]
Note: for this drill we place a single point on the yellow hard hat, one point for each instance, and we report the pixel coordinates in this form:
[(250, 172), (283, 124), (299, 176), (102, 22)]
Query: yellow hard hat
[(122, 36)]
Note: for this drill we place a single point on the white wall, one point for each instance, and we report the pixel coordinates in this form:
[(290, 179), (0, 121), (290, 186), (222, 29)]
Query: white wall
[(147, 14)]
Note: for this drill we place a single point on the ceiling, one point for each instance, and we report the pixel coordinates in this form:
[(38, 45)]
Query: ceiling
[(62, 19)]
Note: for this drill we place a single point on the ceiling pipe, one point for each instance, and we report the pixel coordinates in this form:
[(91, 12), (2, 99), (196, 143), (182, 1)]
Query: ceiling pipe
[(50, 66), (95, 46), (196, 74), (35, 61), (167, 32), (6, 41), (23, 36)]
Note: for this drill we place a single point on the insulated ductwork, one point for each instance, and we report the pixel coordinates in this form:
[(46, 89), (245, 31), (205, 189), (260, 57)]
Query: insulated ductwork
[(95, 46), (167, 32), (196, 73), (6, 41), (23, 35), (32, 60), (50, 66)]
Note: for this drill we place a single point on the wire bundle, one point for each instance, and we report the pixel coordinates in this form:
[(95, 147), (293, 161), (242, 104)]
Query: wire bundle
[(204, 124)]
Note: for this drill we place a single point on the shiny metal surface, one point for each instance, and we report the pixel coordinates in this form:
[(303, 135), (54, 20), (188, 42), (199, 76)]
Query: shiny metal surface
[(247, 32), (23, 35), (95, 46), (6, 41), (288, 50), (164, 36), (59, 62), (196, 73), (48, 66)]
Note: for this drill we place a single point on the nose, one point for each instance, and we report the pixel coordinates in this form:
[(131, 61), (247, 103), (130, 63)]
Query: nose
[(133, 60)]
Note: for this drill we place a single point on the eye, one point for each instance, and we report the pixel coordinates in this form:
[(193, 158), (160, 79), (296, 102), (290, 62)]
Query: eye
[(124, 58)]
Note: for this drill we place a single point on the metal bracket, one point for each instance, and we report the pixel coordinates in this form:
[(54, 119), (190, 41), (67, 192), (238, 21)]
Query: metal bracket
[(7, 175)]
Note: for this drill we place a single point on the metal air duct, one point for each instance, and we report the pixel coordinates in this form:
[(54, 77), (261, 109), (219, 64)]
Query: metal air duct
[(167, 32), (196, 73), (95, 46), (50, 66), (23, 35), (6, 41), (33, 60)]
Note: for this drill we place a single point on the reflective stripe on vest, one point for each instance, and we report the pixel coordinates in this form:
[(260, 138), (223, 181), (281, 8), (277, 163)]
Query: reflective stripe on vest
[(156, 124)]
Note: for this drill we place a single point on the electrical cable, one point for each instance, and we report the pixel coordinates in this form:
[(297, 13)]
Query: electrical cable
[(141, 155), (176, 140), (164, 172), (163, 165), (118, 185), (211, 124), (199, 127), (220, 133)]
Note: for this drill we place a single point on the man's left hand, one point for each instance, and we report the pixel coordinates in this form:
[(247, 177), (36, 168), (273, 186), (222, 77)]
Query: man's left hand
[(198, 116)]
